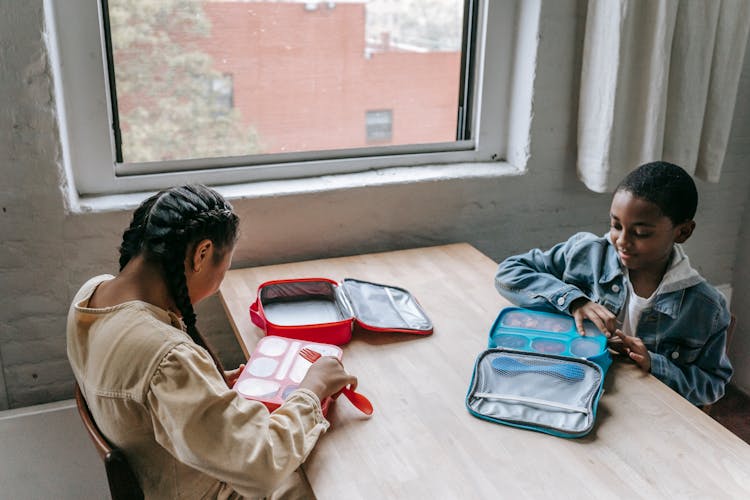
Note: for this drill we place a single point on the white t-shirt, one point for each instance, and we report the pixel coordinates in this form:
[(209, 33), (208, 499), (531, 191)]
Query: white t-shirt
[(634, 306)]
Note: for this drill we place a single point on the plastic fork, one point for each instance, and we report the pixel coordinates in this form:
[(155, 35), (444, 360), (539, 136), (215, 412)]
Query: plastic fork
[(565, 371), (358, 400)]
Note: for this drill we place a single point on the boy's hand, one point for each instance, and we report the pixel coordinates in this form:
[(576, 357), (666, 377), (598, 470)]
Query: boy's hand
[(634, 348), (602, 317)]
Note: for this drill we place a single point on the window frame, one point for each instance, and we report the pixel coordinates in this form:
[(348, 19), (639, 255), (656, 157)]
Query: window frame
[(78, 57)]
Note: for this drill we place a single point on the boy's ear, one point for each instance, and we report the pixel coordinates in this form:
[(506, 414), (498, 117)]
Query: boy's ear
[(683, 231)]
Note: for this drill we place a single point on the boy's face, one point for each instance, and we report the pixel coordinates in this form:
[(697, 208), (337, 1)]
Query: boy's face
[(642, 235)]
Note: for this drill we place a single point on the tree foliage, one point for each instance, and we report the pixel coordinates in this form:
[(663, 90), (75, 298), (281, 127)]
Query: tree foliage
[(168, 94)]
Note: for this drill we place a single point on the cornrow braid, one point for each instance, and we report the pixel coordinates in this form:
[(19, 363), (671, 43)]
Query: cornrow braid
[(133, 235), (166, 226)]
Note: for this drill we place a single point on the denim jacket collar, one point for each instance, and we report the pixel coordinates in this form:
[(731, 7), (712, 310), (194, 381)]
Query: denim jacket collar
[(668, 302)]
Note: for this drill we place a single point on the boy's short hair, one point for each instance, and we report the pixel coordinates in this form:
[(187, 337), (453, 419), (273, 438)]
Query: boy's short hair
[(668, 186)]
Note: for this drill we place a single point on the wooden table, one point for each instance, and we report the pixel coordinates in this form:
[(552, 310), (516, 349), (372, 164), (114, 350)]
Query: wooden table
[(421, 442)]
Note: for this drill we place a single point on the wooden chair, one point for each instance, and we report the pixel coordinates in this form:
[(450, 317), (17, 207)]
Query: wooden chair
[(123, 484), (730, 330)]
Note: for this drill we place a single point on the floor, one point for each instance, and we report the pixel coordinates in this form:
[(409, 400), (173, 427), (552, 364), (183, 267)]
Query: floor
[(46, 453), (733, 412)]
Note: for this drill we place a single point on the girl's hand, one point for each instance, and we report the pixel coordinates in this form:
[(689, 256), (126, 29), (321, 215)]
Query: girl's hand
[(602, 317), (633, 347), (231, 376), (327, 377)]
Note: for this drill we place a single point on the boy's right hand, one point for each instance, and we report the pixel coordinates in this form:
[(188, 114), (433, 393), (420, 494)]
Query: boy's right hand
[(582, 308), (327, 377)]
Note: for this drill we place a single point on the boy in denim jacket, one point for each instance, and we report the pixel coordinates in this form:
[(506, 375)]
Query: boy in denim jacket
[(636, 284)]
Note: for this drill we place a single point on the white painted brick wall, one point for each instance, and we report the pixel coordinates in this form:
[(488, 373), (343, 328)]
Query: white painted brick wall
[(45, 254)]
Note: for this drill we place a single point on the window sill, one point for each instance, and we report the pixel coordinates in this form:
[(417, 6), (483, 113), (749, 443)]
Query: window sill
[(321, 184)]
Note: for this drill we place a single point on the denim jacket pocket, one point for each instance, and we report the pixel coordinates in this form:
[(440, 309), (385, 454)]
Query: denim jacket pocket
[(680, 352)]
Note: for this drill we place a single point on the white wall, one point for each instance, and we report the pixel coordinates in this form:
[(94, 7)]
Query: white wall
[(739, 348), (47, 253)]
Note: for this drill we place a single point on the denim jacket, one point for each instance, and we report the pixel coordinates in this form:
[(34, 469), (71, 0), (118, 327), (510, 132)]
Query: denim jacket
[(684, 330)]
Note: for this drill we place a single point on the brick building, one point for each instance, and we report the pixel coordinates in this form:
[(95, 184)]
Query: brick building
[(304, 77)]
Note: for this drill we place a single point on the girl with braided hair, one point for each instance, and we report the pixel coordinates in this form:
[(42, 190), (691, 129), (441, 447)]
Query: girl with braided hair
[(153, 385)]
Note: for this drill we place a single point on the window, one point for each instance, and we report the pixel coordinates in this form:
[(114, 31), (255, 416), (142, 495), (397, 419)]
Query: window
[(154, 93), (222, 91), (379, 125)]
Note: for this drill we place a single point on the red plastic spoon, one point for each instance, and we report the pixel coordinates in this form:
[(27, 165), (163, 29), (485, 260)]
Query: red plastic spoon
[(362, 403)]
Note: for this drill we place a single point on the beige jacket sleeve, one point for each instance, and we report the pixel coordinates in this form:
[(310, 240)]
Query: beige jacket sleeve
[(212, 429)]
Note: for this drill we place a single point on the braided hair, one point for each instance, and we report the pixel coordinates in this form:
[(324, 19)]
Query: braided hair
[(168, 225)]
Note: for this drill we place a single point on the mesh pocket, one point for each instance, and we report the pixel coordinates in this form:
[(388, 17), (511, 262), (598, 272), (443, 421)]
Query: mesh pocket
[(509, 366)]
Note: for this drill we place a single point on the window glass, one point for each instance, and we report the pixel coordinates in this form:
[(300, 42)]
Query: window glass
[(201, 79)]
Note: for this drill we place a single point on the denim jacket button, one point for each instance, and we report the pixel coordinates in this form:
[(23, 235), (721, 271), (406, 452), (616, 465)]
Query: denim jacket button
[(675, 355), (561, 301), (615, 288)]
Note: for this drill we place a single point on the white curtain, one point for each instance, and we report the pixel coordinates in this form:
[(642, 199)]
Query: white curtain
[(659, 82)]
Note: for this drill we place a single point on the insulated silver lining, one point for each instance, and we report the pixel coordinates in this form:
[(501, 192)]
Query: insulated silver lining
[(302, 303), (384, 306), (535, 398)]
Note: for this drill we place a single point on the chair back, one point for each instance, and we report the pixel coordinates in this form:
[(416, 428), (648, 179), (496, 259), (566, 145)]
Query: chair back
[(730, 331), (123, 484)]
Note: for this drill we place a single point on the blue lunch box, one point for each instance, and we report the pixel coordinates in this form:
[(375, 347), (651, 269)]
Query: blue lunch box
[(539, 373)]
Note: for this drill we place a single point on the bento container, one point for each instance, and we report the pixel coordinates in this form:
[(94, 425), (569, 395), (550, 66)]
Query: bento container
[(323, 310), (545, 333), (275, 369)]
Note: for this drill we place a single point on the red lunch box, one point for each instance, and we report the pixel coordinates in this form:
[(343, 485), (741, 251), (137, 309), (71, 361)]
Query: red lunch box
[(322, 310)]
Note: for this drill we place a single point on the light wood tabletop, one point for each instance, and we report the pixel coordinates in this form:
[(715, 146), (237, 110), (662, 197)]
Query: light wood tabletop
[(421, 442)]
